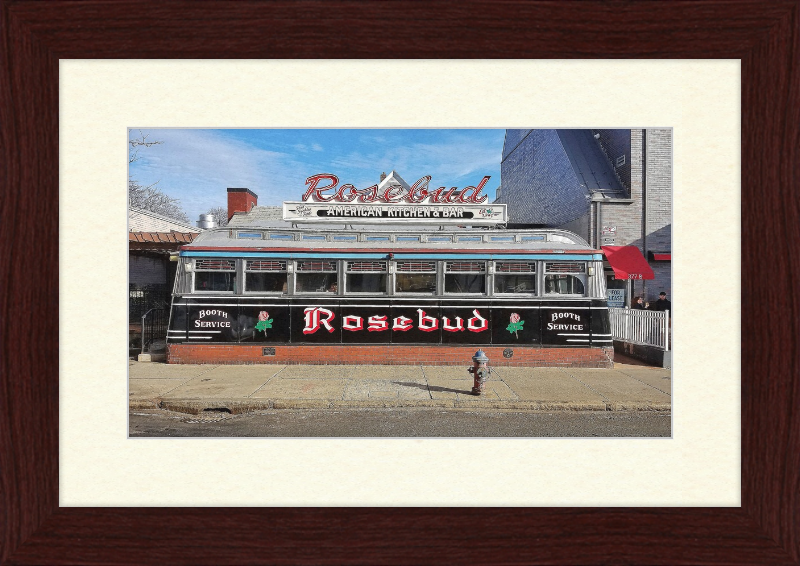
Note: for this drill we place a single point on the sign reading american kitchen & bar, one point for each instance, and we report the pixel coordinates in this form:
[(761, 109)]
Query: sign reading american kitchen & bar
[(327, 201)]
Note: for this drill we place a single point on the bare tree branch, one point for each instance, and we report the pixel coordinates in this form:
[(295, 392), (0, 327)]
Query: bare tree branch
[(138, 143), (150, 197)]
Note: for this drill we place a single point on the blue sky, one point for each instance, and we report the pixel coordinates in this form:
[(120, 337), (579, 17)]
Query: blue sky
[(197, 166)]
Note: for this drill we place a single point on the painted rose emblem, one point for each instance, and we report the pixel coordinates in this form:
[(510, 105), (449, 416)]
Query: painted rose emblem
[(264, 321), (515, 324)]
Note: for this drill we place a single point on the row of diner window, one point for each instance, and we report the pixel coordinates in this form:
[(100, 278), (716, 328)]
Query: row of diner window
[(433, 238), (395, 277)]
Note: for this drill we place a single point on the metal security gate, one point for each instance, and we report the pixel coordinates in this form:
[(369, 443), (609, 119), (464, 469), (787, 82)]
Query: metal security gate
[(649, 328), (154, 330)]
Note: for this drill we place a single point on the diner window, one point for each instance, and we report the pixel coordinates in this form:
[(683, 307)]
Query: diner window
[(366, 277), (316, 277), (214, 275), (564, 278), (465, 277), (265, 276), (515, 277), (416, 277)]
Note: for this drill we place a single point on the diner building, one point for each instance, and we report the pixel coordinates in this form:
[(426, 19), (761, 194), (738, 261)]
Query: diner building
[(395, 273)]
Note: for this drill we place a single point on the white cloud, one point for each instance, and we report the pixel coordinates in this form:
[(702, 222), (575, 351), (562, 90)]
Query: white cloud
[(459, 160), (197, 166)]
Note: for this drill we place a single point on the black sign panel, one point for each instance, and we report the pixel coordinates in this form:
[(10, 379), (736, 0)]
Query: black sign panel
[(212, 322), (177, 325), (417, 324), (267, 322), (380, 321), (565, 326), (466, 323), (518, 325), (366, 325), (601, 328), (316, 323), (393, 212)]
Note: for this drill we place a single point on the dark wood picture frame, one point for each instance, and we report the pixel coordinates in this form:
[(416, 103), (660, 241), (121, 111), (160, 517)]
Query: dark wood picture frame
[(765, 36)]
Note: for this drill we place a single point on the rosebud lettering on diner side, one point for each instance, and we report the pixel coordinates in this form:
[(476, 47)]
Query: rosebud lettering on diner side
[(317, 317), (313, 319), (377, 324), (427, 323), (477, 323), (352, 323), (402, 324), (323, 188), (459, 327)]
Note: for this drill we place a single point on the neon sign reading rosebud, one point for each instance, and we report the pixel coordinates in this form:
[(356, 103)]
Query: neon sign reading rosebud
[(324, 187)]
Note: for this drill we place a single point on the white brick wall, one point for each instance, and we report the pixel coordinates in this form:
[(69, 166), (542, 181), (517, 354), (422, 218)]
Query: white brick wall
[(659, 206), (654, 232)]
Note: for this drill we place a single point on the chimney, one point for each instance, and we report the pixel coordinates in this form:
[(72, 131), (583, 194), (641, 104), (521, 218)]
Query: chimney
[(383, 176), (240, 200)]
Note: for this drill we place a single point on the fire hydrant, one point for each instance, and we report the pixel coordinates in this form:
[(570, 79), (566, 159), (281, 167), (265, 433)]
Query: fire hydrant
[(480, 371)]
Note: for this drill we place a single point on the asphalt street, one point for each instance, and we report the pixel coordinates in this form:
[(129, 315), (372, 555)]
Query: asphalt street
[(406, 422)]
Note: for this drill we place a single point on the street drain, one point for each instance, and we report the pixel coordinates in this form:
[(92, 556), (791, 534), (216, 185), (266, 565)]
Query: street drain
[(211, 415)]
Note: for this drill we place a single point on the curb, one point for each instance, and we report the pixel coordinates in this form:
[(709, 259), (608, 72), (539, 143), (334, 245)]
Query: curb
[(241, 406)]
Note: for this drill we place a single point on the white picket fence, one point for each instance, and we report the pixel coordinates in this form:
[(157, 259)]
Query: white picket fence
[(650, 328)]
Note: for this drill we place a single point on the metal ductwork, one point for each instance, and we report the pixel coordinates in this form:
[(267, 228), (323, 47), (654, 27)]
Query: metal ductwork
[(206, 221)]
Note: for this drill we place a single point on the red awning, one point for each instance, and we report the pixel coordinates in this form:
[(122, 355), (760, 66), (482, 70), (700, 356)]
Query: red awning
[(628, 262)]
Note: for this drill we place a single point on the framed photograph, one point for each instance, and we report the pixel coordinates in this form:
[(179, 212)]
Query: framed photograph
[(38, 530), (367, 291)]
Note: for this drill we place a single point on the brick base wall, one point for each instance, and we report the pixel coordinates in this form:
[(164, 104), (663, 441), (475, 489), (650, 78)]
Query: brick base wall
[(387, 355)]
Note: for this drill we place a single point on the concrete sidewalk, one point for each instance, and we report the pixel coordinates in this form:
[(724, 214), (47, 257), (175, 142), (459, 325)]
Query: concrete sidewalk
[(245, 388)]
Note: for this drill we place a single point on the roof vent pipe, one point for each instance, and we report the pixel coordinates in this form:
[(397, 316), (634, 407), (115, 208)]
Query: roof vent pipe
[(207, 221)]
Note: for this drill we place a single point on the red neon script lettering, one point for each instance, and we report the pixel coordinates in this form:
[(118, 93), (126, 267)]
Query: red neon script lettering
[(314, 188)]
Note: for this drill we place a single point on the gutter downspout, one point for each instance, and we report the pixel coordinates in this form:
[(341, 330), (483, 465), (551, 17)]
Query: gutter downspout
[(644, 203), (597, 198)]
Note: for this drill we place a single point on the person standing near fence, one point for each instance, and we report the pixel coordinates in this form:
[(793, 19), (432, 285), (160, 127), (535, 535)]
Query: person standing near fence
[(637, 304), (662, 304)]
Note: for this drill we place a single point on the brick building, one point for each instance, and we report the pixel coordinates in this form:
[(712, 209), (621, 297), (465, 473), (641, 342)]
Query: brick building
[(613, 187), (151, 239)]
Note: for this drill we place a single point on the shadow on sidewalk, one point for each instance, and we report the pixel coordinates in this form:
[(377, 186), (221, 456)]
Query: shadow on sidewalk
[(436, 388)]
